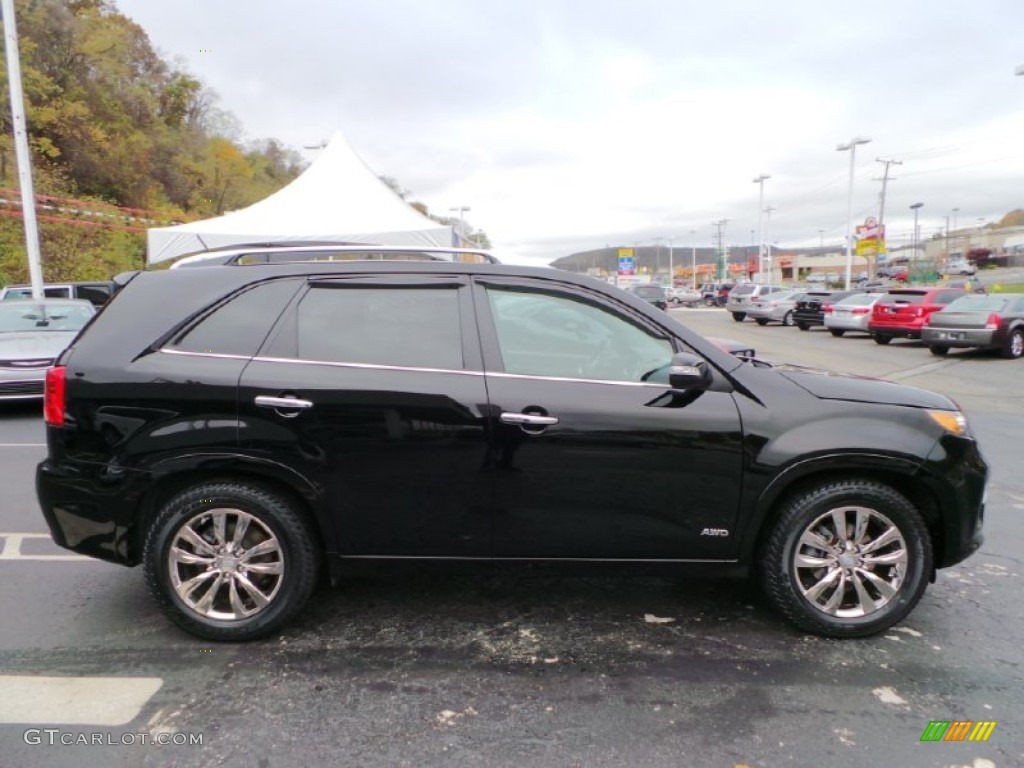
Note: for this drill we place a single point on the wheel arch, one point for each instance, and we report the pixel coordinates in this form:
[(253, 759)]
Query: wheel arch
[(174, 477), (899, 474)]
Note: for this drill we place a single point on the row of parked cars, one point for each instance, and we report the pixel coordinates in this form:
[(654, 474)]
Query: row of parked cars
[(943, 317)]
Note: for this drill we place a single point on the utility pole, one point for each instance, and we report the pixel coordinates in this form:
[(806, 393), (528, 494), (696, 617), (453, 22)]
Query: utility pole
[(693, 258), (760, 180), (21, 151), (723, 269), (881, 211), (768, 244)]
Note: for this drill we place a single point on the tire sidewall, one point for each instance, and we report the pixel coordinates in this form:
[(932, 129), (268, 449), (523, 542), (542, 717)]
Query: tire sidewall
[(272, 512), (778, 559)]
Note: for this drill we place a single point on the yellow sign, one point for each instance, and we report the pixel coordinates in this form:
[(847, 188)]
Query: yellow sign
[(625, 252)]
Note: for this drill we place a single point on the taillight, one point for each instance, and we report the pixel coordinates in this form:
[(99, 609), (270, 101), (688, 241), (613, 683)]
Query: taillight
[(826, 308), (53, 396), (993, 322)]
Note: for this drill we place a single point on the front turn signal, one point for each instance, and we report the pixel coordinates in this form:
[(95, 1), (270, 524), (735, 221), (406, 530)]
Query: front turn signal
[(953, 422)]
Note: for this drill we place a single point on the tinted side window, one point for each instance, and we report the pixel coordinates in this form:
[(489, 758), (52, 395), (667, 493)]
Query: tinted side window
[(415, 327), (239, 326), (545, 335), (97, 294)]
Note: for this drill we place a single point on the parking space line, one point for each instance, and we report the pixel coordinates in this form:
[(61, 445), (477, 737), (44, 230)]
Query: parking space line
[(110, 701), (11, 549)]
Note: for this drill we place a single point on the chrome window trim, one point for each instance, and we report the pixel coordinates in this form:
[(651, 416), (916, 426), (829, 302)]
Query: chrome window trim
[(414, 369)]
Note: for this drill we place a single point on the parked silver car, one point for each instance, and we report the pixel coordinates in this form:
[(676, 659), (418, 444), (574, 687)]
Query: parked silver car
[(683, 295), (851, 313), (742, 295), (32, 334), (774, 307)]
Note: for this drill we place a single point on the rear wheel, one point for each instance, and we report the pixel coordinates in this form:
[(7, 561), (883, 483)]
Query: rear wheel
[(803, 326), (787, 319), (738, 316), (880, 339), (836, 331), (230, 561), (846, 559), (939, 351), (760, 321), (1014, 347)]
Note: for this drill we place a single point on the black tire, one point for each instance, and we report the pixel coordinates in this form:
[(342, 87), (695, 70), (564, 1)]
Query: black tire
[(1014, 347), (880, 339), (809, 512), (939, 351), (738, 316), (709, 302), (787, 319), (803, 326), (761, 321), (837, 332), (270, 520)]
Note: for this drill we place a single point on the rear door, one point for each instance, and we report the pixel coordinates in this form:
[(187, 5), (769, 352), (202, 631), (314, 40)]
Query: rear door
[(372, 388), (595, 456)]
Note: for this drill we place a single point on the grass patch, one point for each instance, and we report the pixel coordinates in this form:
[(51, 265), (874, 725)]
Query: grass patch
[(1005, 288)]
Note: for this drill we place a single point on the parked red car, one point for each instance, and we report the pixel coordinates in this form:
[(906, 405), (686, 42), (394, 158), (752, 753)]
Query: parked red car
[(902, 312)]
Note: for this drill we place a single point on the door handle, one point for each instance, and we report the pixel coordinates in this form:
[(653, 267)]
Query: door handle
[(528, 419), (283, 403)]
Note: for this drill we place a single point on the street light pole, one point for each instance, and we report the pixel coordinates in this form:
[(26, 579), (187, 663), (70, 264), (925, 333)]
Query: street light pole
[(915, 208), (850, 146), (769, 267), (462, 224), (760, 180), (671, 273), (693, 258)]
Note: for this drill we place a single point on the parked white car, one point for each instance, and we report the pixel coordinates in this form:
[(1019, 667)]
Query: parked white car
[(683, 295), (852, 313), (775, 307), (959, 267), (743, 295)]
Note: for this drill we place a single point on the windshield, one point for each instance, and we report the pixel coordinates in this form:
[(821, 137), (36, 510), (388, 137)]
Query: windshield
[(29, 316), (903, 298)]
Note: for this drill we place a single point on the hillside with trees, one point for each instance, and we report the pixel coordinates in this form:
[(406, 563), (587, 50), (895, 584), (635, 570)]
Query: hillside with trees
[(121, 140)]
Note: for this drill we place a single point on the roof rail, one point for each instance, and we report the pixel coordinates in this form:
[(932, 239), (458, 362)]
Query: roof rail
[(290, 254)]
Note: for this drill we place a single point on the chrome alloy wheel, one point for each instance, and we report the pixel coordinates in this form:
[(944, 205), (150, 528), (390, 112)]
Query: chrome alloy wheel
[(225, 564), (850, 562), (1017, 345)]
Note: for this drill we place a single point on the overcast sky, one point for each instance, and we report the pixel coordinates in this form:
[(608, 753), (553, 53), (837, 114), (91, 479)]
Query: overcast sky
[(567, 125)]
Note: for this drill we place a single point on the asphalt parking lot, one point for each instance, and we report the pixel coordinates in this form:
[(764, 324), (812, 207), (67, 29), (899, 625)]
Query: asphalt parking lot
[(489, 667)]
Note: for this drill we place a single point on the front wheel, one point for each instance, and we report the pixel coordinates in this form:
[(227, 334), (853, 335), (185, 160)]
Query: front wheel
[(837, 332), (803, 326), (230, 561), (738, 316), (939, 351), (1014, 347), (880, 339), (760, 321), (847, 558)]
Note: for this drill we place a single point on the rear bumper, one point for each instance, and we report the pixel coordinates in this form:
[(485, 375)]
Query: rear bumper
[(960, 337), (906, 330), (87, 517), (809, 318)]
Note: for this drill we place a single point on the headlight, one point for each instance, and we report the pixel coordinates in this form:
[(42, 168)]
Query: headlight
[(953, 422)]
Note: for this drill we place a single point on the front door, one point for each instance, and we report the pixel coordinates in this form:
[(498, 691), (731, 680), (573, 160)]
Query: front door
[(596, 456)]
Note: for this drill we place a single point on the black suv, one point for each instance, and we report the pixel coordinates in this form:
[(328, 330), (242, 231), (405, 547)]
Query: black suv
[(810, 310), (274, 420)]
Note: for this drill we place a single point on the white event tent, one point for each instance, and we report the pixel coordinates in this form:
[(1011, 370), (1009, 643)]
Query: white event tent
[(338, 199)]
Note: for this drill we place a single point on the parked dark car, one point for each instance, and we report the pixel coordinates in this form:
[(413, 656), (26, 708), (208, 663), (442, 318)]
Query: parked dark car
[(274, 420), (811, 309), (901, 313), (652, 293), (979, 322)]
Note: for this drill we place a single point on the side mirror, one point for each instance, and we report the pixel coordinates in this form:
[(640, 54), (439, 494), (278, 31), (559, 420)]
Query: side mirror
[(688, 371)]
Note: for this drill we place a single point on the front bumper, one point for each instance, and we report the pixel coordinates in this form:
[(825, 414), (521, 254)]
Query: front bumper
[(957, 474)]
